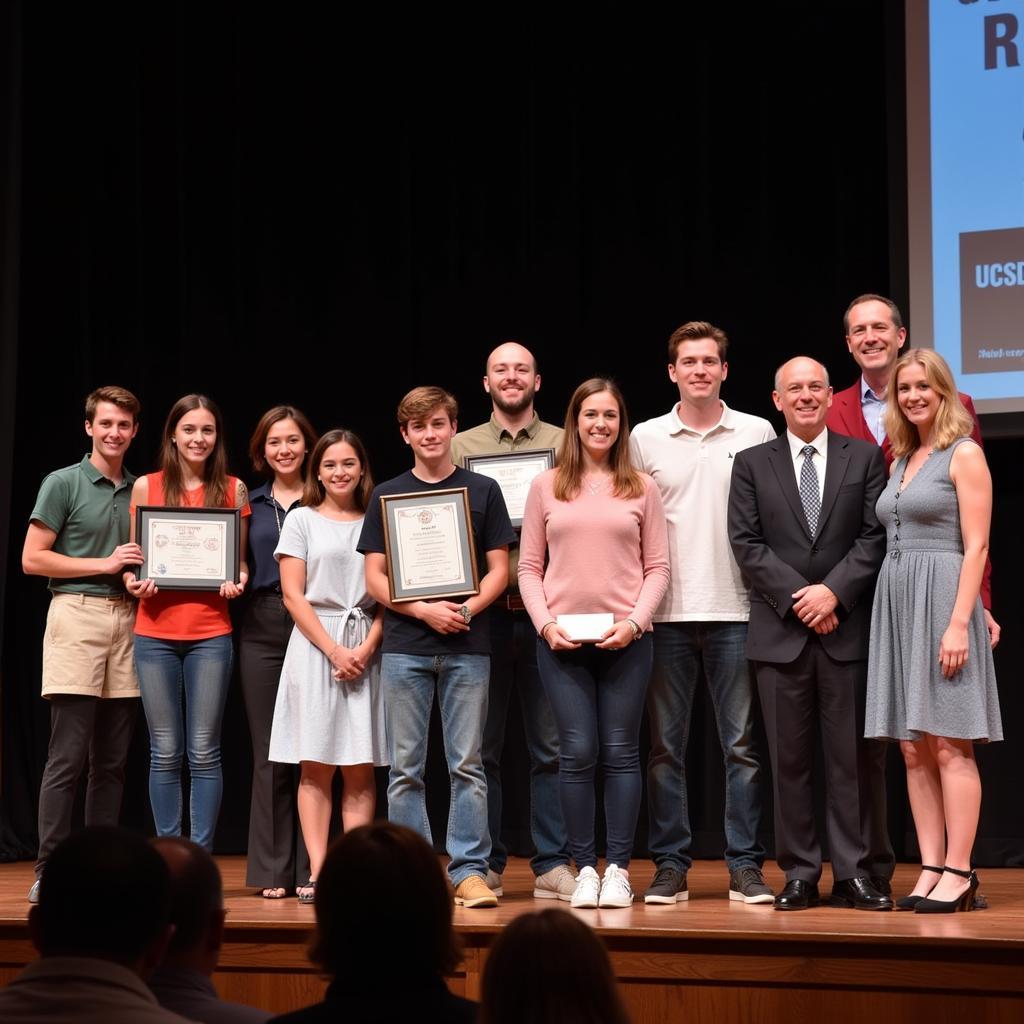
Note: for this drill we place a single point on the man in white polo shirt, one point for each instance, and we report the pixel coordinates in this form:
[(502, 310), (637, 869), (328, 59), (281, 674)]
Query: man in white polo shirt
[(701, 627)]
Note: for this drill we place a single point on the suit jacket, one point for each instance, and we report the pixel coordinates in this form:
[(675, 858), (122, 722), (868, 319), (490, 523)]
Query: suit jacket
[(847, 417), (778, 556)]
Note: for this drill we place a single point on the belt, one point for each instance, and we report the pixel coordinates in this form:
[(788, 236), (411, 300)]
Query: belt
[(83, 598), (514, 603)]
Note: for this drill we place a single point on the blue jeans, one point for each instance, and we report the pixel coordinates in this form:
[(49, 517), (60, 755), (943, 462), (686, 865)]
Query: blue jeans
[(408, 682), (683, 652), (598, 700), (514, 665), (201, 669)]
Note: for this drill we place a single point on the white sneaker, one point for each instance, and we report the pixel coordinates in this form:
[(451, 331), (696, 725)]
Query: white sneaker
[(615, 888), (588, 890), (493, 882), (556, 884)]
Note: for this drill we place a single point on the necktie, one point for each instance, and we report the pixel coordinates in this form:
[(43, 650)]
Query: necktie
[(809, 497)]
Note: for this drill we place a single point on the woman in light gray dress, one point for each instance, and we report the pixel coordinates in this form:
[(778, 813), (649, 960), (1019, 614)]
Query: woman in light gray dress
[(931, 681), (329, 710)]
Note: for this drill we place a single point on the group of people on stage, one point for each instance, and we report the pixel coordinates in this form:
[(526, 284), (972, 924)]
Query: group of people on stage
[(713, 549)]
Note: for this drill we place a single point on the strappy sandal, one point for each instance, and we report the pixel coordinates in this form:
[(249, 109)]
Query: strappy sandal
[(307, 892), (274, 892)]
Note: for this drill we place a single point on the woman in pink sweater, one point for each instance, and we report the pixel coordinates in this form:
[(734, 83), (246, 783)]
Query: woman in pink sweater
[(602, 527)]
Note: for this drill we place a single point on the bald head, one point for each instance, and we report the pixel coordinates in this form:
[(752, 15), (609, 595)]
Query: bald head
[(512, 379), (803, 395), (197, 894)]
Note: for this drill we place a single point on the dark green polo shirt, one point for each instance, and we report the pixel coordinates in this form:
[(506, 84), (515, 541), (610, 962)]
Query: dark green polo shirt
[(90, 517)]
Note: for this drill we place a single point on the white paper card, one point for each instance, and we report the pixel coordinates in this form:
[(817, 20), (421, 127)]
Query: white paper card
[(586, 628)]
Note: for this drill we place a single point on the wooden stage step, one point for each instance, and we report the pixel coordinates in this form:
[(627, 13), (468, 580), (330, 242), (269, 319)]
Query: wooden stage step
[(706, 959)]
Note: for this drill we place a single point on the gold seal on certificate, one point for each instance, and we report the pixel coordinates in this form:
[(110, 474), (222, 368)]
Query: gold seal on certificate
[(188, 548), (428, 537), (513, 472)]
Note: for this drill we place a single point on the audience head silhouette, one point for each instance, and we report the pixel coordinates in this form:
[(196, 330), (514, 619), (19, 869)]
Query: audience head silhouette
[(549, 968), (76, 915), (381, 884), (197, 897)]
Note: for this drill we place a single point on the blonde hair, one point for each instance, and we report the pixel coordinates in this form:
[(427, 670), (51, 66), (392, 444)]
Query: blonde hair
[(569, 475), (952, 420)]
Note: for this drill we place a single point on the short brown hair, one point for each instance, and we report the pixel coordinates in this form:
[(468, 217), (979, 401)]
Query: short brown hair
[(423, 400), (121, 397), (696, 330), (258, 441), (894, 310), (313, 493), (355, 923), (549, 966)]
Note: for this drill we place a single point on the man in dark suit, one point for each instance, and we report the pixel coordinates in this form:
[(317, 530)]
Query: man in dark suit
[(875, 335), (803, 529)]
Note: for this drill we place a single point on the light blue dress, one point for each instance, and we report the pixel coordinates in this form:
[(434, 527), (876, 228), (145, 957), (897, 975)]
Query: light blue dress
[(317, 717)]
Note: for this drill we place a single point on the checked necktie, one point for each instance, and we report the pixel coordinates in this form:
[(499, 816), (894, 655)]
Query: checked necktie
[(809, 496)]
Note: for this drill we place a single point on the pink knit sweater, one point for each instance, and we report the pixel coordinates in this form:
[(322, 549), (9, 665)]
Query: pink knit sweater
[(605, 554)]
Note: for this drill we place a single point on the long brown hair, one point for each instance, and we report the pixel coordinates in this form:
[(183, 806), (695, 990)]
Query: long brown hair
[(215, 468), (314, 493), (569, 475), (952, 420)]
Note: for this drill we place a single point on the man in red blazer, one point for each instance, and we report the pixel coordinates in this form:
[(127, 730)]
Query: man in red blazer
[(874, 335)]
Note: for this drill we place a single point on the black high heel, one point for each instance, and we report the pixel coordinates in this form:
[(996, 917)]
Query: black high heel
[(911, 902), (965, 901)]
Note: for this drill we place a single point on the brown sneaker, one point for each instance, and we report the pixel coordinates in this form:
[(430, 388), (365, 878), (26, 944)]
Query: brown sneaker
[(472, 891)]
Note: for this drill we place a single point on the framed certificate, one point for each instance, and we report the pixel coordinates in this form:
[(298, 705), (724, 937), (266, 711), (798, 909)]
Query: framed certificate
[(188, 548), (514, 472), (428, 540)]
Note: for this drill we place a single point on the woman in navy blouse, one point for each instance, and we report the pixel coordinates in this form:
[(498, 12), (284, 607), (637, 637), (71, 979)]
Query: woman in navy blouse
[(277, 858)]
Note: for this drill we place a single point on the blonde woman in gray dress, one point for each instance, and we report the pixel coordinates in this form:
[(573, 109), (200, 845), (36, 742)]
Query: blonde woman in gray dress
[(931, 681), (329, 713)]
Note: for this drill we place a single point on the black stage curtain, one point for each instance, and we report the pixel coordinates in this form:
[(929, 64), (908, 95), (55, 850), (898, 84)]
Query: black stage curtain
[(330, 206)]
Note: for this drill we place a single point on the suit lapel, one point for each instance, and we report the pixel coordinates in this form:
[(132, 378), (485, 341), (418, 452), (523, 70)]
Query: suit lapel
[(782, 464), (837, 464)]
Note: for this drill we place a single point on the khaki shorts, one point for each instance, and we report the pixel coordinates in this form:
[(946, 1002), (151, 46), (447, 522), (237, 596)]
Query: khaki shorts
[(87, 647)]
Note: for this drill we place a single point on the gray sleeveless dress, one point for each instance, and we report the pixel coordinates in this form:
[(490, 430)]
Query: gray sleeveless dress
[(907, 693)]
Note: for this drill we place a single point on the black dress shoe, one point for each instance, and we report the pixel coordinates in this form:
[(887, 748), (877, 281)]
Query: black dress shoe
[(860, 894), (798, 895), (882, 884)]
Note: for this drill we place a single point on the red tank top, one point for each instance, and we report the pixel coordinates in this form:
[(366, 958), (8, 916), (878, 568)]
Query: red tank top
[(183, 614)]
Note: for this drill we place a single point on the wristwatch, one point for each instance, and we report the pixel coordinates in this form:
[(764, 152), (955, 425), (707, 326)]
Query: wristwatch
[(467, 615)]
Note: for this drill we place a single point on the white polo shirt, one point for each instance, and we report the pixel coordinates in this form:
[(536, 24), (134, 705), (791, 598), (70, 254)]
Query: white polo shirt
[(693, 472)]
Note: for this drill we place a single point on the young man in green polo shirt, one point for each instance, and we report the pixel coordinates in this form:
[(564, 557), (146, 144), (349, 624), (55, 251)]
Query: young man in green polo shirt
[(78, 538)]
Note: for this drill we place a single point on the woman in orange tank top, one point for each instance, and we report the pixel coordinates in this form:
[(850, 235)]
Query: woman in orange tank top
[(183, 637)]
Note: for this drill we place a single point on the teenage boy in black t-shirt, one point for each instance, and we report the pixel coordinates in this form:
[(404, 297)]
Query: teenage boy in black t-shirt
[(442, 645)]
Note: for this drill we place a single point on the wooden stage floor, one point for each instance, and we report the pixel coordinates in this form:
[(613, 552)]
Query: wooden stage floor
[(703, 960)]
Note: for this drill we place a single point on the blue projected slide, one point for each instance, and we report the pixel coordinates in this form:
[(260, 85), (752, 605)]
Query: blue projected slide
[(974, 300)]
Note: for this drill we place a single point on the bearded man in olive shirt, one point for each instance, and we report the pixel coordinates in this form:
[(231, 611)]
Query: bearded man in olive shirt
[(512, 381)]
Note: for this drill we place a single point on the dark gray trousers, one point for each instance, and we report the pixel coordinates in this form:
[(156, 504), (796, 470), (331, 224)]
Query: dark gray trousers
[(83, 728), (797, 699)]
